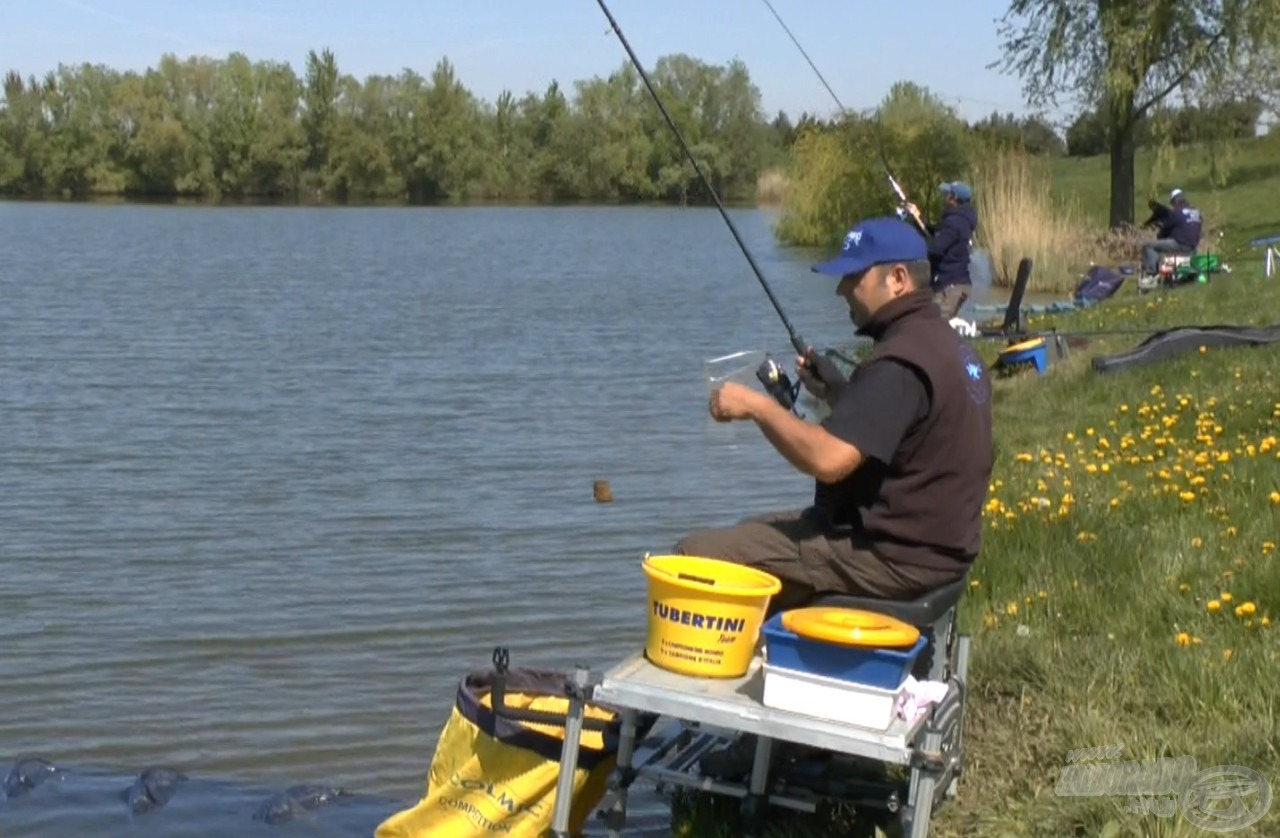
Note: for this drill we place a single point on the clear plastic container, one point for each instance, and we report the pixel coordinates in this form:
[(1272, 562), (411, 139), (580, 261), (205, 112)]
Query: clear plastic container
[(739, 367)]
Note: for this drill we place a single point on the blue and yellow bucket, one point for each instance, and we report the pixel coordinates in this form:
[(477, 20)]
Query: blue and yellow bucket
[(1028, 353), (705, 614)]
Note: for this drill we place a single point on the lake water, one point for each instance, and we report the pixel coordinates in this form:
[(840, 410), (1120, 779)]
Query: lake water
[(274, 479)]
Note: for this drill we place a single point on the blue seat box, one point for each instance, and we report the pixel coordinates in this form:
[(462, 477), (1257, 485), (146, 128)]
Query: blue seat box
[(884, 669)]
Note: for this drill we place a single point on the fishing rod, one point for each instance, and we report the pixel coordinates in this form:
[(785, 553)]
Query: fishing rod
[(771, 375), (796, 341), (903, 203)]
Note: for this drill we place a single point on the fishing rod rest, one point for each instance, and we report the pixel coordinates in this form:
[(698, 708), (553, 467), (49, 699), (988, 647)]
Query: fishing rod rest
[(578, 687)]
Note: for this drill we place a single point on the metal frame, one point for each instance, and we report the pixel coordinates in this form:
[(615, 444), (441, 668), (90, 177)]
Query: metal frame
[(1272, 244), (704, 713)]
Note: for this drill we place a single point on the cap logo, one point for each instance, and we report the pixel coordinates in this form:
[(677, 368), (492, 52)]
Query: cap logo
[(853, 239)]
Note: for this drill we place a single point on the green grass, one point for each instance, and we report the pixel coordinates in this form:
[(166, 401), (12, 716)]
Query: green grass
[(1242, 204), (1234, 186), (1130, 515)]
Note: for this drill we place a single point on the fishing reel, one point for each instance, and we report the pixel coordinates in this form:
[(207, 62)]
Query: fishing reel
[(778, 384)]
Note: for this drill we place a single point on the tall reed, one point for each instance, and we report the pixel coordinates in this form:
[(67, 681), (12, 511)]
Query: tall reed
[(1018, 217)]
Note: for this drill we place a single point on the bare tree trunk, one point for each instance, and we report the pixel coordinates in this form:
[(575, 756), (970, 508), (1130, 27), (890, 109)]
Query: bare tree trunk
[(1123, 141), (1122, 178)]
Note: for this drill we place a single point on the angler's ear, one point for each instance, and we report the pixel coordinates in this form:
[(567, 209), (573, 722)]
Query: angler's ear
[(899, 279)]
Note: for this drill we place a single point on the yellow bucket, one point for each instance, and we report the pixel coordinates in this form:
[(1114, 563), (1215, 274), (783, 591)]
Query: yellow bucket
[(705, 614)]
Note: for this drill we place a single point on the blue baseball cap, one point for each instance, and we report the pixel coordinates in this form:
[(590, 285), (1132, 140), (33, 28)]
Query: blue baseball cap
[(961, 191), (876, 241)]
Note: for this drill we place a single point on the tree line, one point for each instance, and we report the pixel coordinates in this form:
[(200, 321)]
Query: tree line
[(236, 128)]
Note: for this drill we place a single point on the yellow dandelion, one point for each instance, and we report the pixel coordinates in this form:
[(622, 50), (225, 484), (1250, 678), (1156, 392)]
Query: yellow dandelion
[(1227, 654), (1213, 605), (1226, 596), (1184, 639), (1011, 609)]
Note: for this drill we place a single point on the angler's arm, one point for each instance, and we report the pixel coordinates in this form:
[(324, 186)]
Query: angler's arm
[(810, 448), (945, 236), (1159, 214)]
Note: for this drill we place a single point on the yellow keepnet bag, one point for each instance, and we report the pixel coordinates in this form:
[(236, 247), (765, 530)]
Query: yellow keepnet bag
[(492, 776)]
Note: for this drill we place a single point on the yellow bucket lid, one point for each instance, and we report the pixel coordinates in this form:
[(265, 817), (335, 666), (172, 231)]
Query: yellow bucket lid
[(849, 627)]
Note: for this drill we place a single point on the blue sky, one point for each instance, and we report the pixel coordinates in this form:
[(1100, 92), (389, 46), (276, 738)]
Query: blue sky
[(861, 47)]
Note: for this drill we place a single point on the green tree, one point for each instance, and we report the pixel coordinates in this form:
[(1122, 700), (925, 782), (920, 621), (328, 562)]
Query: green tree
[(837, 174), (1126, 57), (321, 87)]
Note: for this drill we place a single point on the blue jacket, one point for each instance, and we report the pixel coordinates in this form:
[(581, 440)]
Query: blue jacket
[(949, 246), (1181, 225)]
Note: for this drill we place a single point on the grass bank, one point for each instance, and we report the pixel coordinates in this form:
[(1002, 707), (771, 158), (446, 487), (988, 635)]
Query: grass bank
[(1128, 590), (1234, 186), (1055, 209)]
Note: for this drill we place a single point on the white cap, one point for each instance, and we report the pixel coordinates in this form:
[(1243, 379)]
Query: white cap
[(1175, 193)]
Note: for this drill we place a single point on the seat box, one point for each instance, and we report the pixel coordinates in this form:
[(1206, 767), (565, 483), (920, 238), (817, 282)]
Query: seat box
[(829, 698), (881, 669)]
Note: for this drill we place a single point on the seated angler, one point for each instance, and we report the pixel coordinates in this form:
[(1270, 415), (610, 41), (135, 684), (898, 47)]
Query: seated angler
[(1178, 232), (902, 463)]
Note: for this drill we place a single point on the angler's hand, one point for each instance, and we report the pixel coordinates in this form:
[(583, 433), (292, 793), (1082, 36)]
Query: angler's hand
[(732, 400), (820, 376)]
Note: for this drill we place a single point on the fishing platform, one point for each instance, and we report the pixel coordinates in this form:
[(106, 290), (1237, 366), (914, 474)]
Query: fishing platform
[(811, 741)]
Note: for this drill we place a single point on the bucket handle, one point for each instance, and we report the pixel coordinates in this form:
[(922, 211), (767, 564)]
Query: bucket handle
[(689, 577)]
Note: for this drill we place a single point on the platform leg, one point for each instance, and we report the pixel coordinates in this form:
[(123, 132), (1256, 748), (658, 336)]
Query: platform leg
[(622, 775), (924, 784), (569, 753), (962, 675), (760, 766), (753, 802)]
